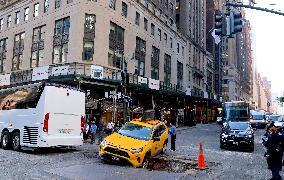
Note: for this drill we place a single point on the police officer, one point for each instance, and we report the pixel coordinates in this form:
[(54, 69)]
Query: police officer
[(268, 126), (274, 152)]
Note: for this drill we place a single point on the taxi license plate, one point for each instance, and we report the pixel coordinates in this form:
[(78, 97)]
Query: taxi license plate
[(114, 158)]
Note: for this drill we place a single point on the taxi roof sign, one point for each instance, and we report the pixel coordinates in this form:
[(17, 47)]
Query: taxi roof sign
[(148, 115)]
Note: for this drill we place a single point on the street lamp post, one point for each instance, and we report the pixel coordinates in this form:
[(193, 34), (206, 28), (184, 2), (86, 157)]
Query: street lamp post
[(123, 84)]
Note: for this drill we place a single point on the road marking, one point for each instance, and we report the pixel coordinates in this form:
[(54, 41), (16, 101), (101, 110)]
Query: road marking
[(204, 129)]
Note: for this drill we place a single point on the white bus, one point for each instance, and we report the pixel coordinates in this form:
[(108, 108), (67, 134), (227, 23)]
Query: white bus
[(41, 115)]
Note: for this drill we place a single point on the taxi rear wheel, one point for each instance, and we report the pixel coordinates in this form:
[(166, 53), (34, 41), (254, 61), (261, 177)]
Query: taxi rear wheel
[(164, 148)]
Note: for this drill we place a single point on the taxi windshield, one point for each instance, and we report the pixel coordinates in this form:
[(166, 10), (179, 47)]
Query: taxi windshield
[(136, 131)]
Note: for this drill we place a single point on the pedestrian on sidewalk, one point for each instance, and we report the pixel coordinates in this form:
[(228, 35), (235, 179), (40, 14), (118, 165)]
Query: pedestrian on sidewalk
[(173, 133), (93, 131), (274, 153), (85, 132), (110, 127), (101, 132)]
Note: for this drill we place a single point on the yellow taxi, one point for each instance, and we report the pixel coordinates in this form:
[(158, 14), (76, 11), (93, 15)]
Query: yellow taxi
[(137, 141)]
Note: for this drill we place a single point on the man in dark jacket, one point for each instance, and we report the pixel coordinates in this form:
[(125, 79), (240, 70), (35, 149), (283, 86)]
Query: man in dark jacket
[(274, 153)]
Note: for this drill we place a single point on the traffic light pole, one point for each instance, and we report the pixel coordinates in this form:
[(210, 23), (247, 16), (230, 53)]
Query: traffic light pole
[(256, 8)]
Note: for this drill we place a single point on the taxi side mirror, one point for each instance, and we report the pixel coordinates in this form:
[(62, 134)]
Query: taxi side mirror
[(156, 138)]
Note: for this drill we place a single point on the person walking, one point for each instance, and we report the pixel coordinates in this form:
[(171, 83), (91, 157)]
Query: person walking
[(173, 133), (101, 132), (268, 126), (110, 127), (85, 132), (93, 130), (274, 153)]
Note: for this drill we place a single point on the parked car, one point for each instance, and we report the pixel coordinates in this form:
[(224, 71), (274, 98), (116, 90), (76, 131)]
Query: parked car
[(136, 142), (237, 134), (280, 122)]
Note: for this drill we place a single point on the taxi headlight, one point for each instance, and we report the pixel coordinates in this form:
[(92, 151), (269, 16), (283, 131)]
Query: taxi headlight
[(103, 143), (135, 151)]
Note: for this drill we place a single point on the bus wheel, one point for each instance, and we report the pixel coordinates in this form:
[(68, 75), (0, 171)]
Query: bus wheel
[(16, 141), (5, 140)]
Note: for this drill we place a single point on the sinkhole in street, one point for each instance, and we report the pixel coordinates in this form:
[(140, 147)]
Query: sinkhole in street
[(176, 164)]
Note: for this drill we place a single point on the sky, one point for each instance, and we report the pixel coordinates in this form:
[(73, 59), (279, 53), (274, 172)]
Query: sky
[(268, 35)]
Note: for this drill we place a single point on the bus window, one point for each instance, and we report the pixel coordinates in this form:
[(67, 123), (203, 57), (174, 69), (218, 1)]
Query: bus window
[(20, 98)]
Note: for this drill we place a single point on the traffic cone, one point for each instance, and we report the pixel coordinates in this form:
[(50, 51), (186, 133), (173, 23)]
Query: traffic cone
[(201, 160)]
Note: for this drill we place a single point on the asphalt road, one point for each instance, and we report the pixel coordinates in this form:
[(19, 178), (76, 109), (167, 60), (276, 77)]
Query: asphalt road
[(84, 163)]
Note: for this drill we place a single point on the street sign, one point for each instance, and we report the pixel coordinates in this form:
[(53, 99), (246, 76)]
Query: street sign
[(142, 80), (60, 70), (5, 79), (97, 72), (188, 91), (154, 84), (40, 73)]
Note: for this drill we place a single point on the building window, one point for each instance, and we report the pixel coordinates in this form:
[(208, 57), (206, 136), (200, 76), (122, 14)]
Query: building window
[(145, 24), (155, 62), (179, 75), (2, 54), (112, 4), (124, 9), (165, 38), (17, 17), (140, 54), (38, 46), (36, 9), (116, 45), (18, 51), (46, 6), (182, 51), (152, 29), (177, 47), (57, 4), (61, 39), (171, 22), (90, 21), (89, 35), (1, 24), (167, 70), (172, 8), (171, 42), (159, 34), (26, 14), (137, 19), (88, 50), (9, 21)]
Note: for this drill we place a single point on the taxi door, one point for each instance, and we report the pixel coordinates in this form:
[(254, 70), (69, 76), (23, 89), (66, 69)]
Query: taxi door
[(156, 141)]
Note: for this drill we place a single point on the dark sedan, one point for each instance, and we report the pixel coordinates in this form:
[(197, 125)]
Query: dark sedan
[(237, 134)]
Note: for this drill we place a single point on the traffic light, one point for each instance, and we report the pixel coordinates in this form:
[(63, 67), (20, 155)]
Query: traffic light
[(218, 23), (236, 22)]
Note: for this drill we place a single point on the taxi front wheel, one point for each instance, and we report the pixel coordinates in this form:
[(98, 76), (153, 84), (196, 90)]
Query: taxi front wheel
[(145, 163)]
